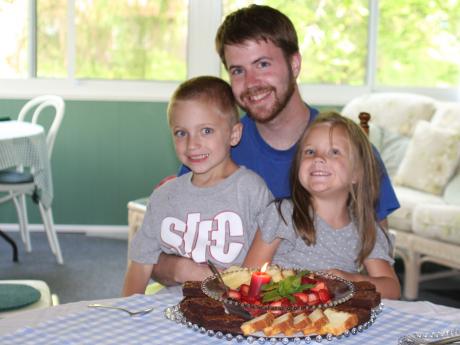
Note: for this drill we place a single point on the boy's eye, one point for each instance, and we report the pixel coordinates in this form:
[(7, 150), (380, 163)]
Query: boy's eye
[(207, 130), (179, 133)]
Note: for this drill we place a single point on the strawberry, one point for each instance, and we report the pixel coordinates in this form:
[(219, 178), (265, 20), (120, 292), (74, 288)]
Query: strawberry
[(244, 290), (313, 298), (249, 300), (301, 298), (234, 294), (319, 286), (279, 303), (324, 296), (308, 280)]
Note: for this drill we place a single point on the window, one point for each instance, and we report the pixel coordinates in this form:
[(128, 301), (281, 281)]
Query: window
[(332, 38), (141, 49)]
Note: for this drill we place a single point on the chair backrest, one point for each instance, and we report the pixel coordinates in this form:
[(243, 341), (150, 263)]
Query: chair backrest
[(40, 103)]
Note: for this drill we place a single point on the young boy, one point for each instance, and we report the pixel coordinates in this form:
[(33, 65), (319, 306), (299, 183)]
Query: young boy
[(210, 212)]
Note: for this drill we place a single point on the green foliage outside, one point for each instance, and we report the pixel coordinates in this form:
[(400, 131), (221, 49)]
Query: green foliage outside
[(418, 40), (116, 39), (419, 43)]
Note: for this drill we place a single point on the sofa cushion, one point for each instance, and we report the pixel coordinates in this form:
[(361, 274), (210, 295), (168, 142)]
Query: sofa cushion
[(430, 160), (391, 145), (452, 191), (401, 219), (447, 115), (398, 112), (441, 222)]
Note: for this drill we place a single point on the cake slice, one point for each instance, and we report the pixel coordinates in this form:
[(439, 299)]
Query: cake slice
[(339, 321), (300, 322), (257, 324), (318, 319), (279, 325)]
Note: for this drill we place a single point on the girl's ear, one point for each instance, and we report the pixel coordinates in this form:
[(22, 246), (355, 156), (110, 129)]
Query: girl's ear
[(235, 136)]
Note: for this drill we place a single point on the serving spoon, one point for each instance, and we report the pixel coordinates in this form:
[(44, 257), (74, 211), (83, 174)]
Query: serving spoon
[(131, 313)]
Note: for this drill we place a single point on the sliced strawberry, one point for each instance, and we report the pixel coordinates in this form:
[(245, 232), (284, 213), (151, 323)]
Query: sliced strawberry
[(313, 298), (249, 300), (234, 294), (319, 286), (279, 303), (301, 298), (244, 289), (308, 280), (324, 296)]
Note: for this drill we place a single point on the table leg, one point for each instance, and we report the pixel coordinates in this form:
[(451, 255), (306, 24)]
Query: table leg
[(13, 245)]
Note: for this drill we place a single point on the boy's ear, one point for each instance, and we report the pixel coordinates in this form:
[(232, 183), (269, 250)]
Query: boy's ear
[(235, 136)]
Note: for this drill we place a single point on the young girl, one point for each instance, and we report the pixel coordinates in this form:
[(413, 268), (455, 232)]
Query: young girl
[(330, 222)]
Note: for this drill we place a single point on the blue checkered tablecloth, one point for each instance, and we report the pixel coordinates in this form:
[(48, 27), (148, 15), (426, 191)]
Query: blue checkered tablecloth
[(104, 326)]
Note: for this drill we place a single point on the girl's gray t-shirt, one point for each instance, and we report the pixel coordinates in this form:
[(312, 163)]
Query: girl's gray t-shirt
[(216, 223), (334, 248)]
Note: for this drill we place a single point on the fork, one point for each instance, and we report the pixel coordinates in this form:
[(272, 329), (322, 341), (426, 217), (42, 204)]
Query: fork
[(131, 313)]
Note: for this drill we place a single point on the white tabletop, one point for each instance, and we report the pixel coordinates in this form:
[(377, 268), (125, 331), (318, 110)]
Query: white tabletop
[(74, 323), (18, 129)]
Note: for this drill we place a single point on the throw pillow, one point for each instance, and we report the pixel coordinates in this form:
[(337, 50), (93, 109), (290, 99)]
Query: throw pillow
[(430, 160)]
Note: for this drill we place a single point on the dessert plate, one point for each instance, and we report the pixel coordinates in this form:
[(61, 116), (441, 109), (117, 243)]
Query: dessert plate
[(174, 314)]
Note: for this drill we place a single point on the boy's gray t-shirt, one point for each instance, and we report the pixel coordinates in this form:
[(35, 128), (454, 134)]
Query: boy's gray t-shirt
[(216, 223), (334, 248)]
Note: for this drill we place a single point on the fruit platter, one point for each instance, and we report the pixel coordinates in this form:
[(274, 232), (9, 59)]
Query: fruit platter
[(278, 290)]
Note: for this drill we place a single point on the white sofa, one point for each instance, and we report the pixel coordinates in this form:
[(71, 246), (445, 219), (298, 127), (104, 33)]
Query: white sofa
[(419, 140)]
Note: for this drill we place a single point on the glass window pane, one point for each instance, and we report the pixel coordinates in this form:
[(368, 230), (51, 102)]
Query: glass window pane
[(131, 39), (419, 43), (332, 37), (14, 38), (52, 38)]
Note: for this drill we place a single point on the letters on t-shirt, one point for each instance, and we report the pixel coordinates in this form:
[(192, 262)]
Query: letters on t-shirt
[(220, 239)]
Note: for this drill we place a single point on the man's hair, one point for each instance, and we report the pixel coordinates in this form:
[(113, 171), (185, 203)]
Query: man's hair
[(257, 22), (208, 89)]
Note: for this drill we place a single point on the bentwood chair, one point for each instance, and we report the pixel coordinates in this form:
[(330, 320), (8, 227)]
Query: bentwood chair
[(17, 183)]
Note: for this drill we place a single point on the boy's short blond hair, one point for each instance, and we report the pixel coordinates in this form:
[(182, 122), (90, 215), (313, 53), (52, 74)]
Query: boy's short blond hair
[(211, 90)]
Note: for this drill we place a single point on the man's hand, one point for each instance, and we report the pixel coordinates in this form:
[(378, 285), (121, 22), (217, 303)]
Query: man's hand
[(174, 270)]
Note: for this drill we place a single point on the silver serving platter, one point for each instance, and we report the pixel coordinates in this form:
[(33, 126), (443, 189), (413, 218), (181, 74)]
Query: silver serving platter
[(341, 290), (174, 314)]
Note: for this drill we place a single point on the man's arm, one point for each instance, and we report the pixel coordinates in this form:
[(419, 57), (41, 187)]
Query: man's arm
[(174, 270)]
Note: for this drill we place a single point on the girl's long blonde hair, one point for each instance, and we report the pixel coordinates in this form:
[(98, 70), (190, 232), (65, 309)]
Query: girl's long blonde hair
[(363, 196)]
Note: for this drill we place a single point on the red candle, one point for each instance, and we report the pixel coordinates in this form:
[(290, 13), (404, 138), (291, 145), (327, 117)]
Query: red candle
[(258, 279)]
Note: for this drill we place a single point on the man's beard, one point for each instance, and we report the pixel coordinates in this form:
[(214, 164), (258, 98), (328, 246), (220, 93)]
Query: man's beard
[(280, 103)]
